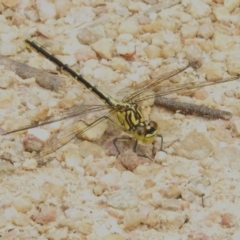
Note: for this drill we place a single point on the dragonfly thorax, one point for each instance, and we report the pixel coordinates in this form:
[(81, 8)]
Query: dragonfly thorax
[(131, 120)]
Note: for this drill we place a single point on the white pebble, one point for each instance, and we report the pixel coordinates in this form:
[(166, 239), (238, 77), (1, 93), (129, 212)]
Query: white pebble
[(231, 4), (130, 26), (46, 10), (40, 133), (72, 158), (222, 41), (104, 48), (105, 74), (125, 37), (189, 31), (21, 219), (233, 64), (199, 9), (30, 164), (8, 48), (221, 13), (46, 31), (205, 31)]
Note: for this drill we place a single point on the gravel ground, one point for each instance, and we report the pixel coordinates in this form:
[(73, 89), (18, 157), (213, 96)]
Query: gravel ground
[(83, 191)]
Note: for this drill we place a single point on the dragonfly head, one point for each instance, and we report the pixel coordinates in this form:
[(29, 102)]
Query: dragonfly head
[(146, 132)]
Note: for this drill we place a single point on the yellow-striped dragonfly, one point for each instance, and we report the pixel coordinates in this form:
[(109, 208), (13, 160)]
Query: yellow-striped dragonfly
[(125, 113)]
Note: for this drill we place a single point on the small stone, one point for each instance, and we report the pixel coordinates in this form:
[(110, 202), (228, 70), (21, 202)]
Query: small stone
[(3, 222), (58, 234), (153, 27), (39, 133), (87, 148), (227, 155), (22, 205), (8, 48), (97, 3), (6, 168), (132, 219), (233, 64), (231, 4), (142, 20), (10, 3), (236, 127), (195, 189), (160, 157), (199, 9), (188, 196), (30, 164), (149, 183), (180, 170), (189, 31), (130, 26), (119, 64), (213, 71), (46, 31), (85, 227), (32, 143), (72, 158), (206, 46), (221, 13), (89, 36), (125, 37), (104, 48), (6, 98), (6, 79), (21, 219), (171, 204), (105, 74), (130, 160), (127, 51), (205, 31), (84, 54), (62, 8), (222, 41), (53, 190), (193, 52), (39, 114), (157, 40), (46, 215), (123, 198), (218, 56), (168, 51), (153, 51), (227, 220), (172, 192), (114, 237), (73, 213), (46, 10), (195, 146), (98, 190)]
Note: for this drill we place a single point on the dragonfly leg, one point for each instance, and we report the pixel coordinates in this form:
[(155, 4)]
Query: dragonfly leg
[(115, 140), (134, 146), (161, 146), (160, 136)]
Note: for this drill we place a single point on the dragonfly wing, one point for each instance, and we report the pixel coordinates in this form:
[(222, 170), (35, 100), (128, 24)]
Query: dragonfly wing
[(76, 111), (58, 140), (183, 88), (151, 85)]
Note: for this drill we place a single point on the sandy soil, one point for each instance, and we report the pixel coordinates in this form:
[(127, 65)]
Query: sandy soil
[(83, 190)]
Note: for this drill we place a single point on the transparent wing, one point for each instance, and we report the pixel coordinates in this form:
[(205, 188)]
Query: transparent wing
[(182, 88), (70, 131), (76, 111), (136, 94)]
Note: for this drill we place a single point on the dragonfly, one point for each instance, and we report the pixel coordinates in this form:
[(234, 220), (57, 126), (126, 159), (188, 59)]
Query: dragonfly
[(125, 113)]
